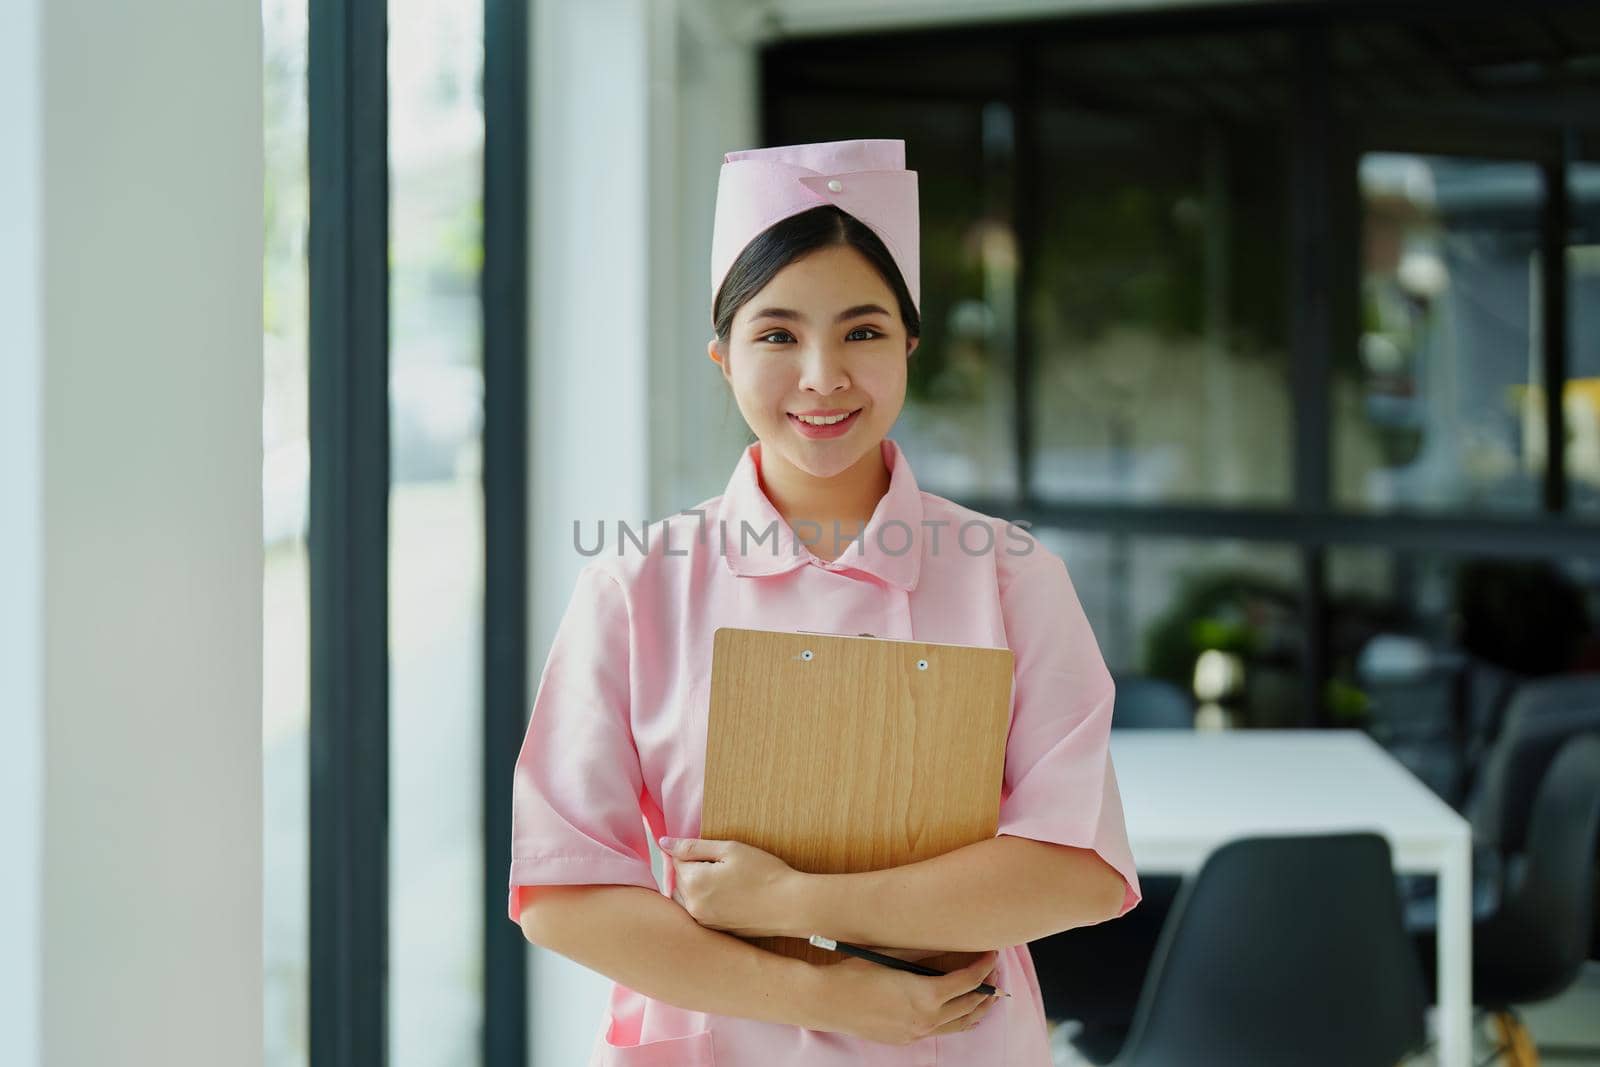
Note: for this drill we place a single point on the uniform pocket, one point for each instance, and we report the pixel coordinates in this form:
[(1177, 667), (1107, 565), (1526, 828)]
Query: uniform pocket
[(690, 1050)]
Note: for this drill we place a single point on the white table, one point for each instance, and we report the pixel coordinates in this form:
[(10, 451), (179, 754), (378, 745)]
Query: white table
[(1186, 792)]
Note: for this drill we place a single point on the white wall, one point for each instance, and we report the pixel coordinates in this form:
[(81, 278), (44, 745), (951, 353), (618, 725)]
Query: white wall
[(130, 404), (21, 545), (588, 334)]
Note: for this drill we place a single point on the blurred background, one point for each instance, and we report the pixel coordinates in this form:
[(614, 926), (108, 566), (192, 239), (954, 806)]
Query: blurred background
[(1278, 320)]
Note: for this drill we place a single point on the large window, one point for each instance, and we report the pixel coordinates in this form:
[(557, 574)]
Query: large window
[(1239, 307), (379, 771)]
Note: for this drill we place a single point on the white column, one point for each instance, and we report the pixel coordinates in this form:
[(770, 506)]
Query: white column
[(590, 343), (21, 541), (130, 543)]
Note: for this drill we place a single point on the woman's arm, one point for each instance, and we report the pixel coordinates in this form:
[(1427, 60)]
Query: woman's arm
[(999, 892), (643, 940)]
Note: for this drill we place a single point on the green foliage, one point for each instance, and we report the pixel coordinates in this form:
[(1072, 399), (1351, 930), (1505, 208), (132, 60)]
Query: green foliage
[(1210, 611), (1224, 635), (1346, 704)]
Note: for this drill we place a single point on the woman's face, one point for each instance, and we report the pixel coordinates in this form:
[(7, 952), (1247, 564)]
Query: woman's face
[(824, 335)]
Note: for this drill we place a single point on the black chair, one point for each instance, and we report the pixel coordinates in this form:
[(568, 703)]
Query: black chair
[(1535, 943), (1487, 690), (1435, 709), (1143, 702), (1283, 950), (1543, 714)]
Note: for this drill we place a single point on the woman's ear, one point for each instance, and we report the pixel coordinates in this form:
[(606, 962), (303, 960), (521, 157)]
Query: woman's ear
[(717, 355), (911, 345)]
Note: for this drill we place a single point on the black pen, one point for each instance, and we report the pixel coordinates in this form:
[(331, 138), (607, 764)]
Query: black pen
[(891, 961)]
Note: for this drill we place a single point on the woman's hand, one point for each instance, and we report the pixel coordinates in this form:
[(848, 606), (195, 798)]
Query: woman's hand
[(731, 886), (878, 1003)]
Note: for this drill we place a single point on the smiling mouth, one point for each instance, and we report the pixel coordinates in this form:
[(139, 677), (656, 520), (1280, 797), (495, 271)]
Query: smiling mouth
[(824, 425)]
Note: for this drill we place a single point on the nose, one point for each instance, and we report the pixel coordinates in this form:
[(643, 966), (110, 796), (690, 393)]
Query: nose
[(822, 369)]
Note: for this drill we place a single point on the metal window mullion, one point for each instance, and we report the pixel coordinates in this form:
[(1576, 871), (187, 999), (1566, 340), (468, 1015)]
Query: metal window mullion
[(1313, 313), (504, 291), (348, 538)]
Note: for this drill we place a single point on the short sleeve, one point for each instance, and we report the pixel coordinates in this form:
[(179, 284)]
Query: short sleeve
[(1059, 783), (576, 817)]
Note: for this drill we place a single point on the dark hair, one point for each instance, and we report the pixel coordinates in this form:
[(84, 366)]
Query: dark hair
[(786, 241)]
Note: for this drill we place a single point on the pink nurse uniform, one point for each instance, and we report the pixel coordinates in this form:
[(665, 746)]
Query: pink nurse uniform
[(615, 747)]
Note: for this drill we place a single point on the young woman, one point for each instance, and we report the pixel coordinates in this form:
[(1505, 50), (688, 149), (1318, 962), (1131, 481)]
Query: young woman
[(821, 527)]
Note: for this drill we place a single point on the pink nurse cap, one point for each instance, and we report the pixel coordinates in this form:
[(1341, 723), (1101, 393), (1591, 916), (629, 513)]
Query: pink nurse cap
[(866, 178)]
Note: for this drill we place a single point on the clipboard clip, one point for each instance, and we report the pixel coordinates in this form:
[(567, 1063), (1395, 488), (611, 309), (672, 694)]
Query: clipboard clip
[(828, 633)]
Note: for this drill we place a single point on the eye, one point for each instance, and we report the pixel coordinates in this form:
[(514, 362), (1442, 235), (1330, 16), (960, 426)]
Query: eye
[(772, 334), (864, 329)]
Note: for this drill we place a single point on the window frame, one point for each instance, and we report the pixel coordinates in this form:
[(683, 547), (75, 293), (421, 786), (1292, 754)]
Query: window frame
[(348, 531), (1325, 145)]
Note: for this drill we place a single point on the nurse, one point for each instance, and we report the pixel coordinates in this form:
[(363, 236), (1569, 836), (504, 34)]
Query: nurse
[(822, 526)]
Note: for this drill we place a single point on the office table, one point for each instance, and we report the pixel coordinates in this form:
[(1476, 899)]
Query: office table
[(1186, 792)]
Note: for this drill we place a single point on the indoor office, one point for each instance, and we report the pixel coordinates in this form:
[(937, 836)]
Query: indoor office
[(335, 331)]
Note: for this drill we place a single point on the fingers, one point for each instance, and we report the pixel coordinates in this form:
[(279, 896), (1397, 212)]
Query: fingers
[(975, 1016), (961, 1007), (965, 1022), (965, 1011), (693, 848), (962, 980), (964, 1005)]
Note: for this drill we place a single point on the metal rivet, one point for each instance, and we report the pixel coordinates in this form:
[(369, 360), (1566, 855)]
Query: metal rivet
[(806, 654), (922, 664), (836, 186)]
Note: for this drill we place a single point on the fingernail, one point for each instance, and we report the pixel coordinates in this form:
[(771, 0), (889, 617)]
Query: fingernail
[(667, 842)]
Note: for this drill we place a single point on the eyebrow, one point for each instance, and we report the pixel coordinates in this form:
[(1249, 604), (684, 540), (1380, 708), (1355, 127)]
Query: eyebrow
[(847, 313)]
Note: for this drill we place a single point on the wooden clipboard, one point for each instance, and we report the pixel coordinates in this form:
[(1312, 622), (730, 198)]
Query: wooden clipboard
[(844, 753)]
